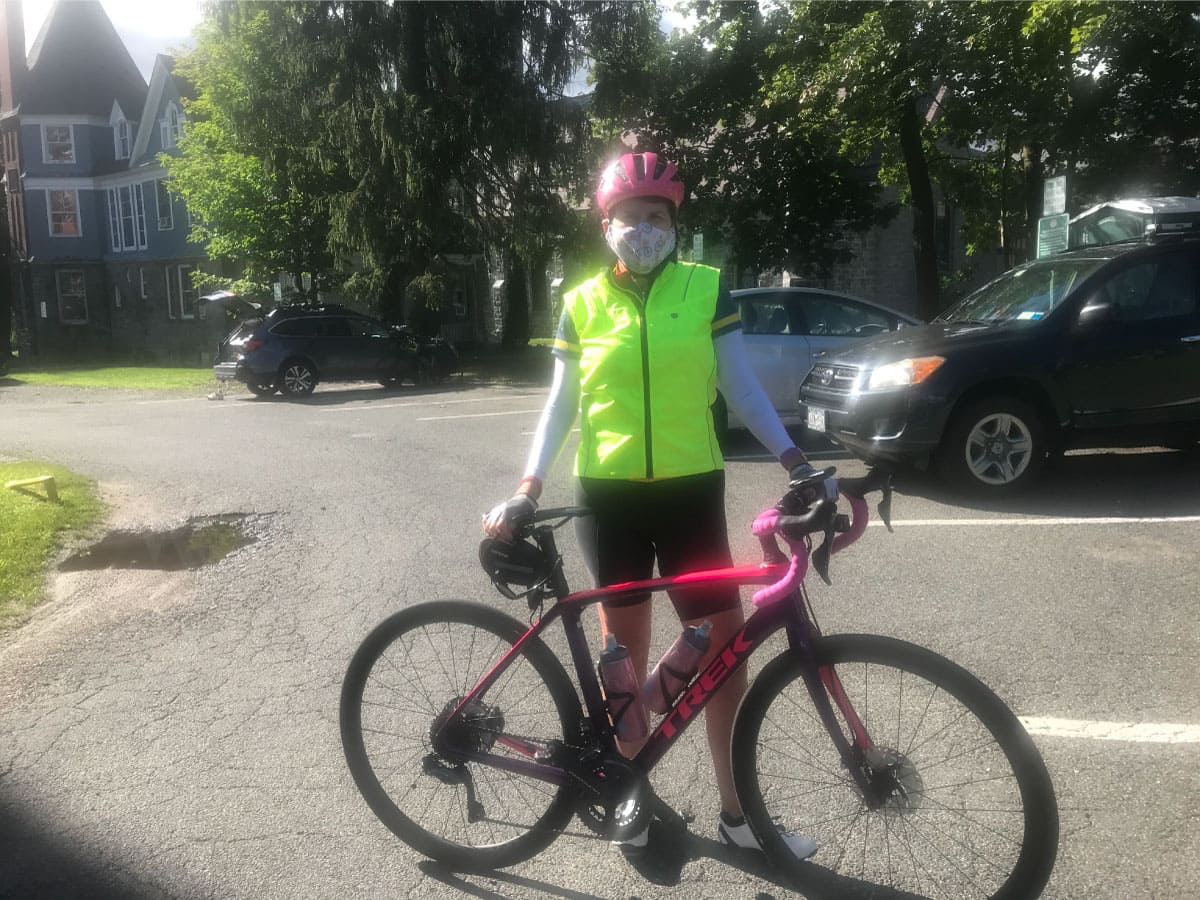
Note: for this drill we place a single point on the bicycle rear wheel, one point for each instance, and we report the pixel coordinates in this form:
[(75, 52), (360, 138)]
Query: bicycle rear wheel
[(403, 682), (963, 808)]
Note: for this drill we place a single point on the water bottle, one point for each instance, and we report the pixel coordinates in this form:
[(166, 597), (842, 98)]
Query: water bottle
[(622, 690), (676, 668)]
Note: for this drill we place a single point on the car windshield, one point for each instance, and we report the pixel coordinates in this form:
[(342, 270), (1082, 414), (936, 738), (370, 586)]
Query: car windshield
[(1026, 293)]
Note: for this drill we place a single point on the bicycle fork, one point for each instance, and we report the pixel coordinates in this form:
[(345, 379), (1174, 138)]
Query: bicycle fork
[(826, 691)]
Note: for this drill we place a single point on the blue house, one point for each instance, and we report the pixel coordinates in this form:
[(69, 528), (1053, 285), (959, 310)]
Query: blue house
[(101, 255)]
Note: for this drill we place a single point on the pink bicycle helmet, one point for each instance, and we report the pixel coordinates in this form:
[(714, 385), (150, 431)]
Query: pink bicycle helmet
[(638, 175)]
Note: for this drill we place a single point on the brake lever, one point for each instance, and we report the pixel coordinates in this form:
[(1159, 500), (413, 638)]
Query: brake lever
[(820, 556)]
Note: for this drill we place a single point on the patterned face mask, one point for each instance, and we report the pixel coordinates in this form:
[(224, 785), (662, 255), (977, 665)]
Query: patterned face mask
[(640, 247)]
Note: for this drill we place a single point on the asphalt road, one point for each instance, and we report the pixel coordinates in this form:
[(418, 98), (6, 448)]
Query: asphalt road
[(175, 733)]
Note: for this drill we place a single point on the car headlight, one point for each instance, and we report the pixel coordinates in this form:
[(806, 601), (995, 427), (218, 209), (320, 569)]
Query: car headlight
[(903, 373)]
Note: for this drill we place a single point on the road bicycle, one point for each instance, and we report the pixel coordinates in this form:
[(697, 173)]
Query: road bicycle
[(467, 738)]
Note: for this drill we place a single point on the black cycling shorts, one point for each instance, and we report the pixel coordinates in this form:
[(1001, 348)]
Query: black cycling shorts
[(678, 521)]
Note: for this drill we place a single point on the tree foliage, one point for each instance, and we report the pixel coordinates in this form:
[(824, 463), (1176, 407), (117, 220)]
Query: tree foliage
[(383, 138), (776, 190), (256, 197)]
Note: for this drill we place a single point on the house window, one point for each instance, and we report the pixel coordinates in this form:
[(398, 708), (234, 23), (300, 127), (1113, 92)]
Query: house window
[(64, 213), (59, 144), (121, 138), (142, 277), (187, 292), (166, 218), (127, 217), (172, 296), (139, 209), (181, 295), (172, 126), (72, 296)]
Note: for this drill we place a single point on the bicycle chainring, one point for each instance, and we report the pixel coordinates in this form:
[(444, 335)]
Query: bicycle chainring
[(612, 797)]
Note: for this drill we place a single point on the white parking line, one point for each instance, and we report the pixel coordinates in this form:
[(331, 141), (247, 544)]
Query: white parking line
[(1048, 520), (515, 412), (418, 403), (1144, 733)]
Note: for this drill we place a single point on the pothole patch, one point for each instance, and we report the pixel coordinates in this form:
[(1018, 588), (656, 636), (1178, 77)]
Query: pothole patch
[(203, 540)]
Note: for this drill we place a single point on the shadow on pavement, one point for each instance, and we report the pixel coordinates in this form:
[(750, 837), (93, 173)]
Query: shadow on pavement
[(337, 396), (672, 851), (459, 882), (1112, 483), (37, 860)]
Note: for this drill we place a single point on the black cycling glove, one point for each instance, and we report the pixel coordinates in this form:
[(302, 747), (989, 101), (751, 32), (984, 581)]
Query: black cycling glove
[(505, 518)]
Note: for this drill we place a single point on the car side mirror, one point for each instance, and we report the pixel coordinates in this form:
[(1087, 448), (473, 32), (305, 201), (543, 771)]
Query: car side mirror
[(1096, 312)]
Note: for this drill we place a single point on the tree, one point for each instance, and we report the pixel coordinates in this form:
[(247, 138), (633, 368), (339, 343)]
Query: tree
[(451, 122), (246, 168), (753, 168)]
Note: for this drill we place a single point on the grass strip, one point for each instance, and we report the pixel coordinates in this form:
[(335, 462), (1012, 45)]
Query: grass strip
[(33, 529), (133, 377)]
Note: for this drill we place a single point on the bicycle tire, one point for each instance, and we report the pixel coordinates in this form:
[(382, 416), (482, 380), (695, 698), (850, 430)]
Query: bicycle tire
[(412, 708), (929, 796)]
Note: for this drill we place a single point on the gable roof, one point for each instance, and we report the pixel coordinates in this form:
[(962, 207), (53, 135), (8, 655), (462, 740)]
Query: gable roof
[(160, 76), (79, 65)]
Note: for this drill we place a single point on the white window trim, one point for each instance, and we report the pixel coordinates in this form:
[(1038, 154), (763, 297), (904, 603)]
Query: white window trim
[(122, 123), (59, 293), (50, 214), (170, 137), (116, 220), (160, 185), (171, 314), (116, 296), (65, 120), (46, 146), (142, 280), (190, 267)]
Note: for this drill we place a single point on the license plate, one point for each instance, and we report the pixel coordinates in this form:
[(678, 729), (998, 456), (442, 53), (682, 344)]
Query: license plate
[(816, 418)]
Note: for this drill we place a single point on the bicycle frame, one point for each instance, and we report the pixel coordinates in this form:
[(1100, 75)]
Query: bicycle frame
[(788, 612)]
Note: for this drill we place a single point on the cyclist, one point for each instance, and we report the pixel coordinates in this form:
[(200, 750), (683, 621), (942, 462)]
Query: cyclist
[(641, 349)]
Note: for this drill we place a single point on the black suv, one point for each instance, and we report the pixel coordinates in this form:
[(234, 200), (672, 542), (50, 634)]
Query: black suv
[(1096, 347), (292, 348)]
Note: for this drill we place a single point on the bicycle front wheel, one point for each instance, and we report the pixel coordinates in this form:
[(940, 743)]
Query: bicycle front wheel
[(960, 805), (410, 673)]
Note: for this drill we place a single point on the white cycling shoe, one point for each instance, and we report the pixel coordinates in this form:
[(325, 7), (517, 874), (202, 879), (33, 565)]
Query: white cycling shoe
[(737, 833)]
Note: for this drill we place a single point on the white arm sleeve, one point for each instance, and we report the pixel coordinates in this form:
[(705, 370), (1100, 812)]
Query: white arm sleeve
[(558, 417), (745, 396)]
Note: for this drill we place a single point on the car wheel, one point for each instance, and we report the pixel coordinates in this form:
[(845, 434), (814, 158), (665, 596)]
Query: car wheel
[(297, 378), (261, 390), (994, 446)]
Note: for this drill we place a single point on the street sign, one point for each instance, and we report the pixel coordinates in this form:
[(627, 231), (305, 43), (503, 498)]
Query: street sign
[(1054, 196), (697, 247), (1052, 234)]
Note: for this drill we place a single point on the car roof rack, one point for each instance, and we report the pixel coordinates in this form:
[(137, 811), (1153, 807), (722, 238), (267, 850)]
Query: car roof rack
[(1137, 219)]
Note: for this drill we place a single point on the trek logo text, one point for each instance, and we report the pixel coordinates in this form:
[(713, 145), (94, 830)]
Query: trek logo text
[(710, 679)]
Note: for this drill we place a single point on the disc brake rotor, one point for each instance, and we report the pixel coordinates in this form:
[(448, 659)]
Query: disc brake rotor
[(895, 780)]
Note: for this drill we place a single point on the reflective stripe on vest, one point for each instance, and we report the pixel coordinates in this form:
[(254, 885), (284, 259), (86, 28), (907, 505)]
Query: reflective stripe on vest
[(648, 375)]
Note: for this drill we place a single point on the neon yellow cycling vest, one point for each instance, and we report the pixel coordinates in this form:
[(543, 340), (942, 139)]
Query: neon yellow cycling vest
[(648, 375)]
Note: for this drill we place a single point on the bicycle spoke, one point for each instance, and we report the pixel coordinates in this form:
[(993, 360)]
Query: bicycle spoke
[(410, 684), (947, 818)]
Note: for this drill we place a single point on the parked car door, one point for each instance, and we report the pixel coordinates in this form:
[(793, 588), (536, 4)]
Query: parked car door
[(375, 348), (773, 330), (1134, 357)]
